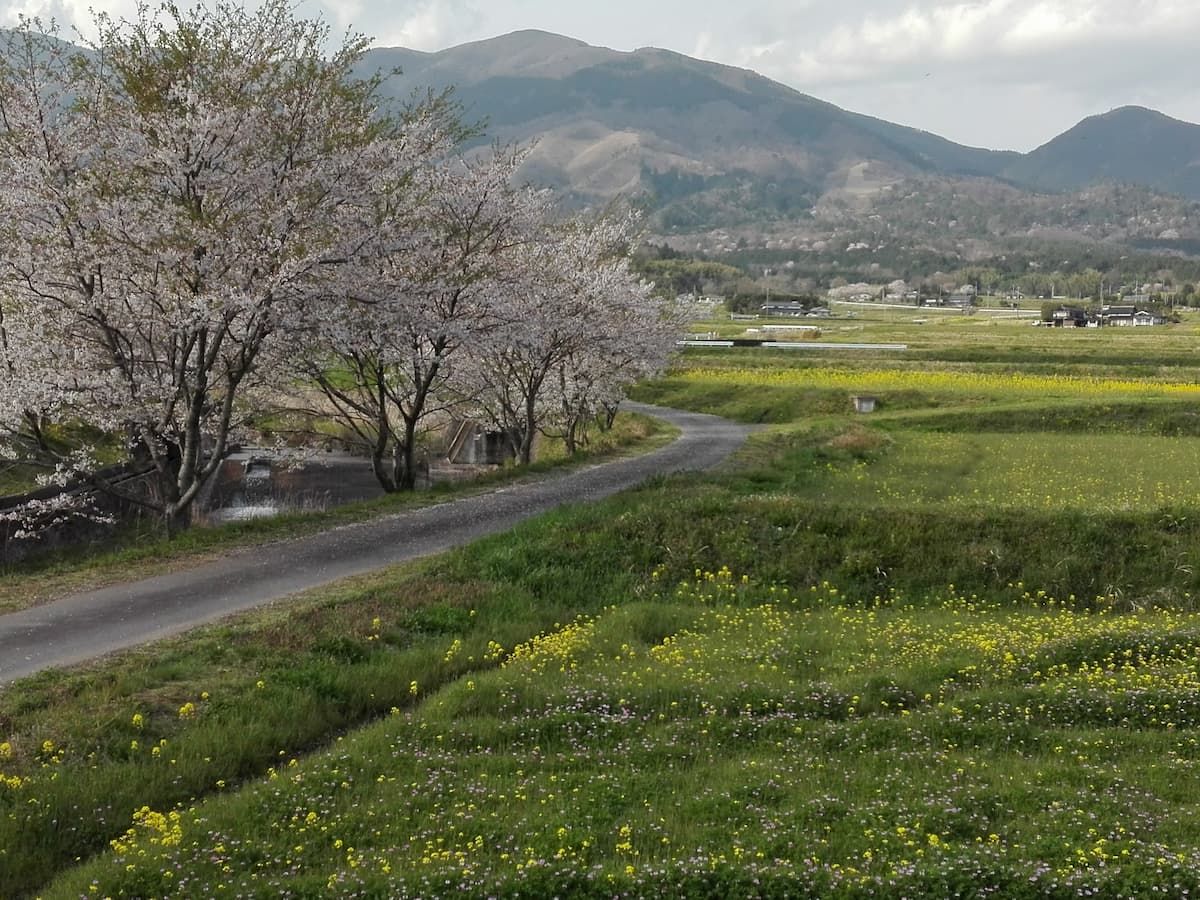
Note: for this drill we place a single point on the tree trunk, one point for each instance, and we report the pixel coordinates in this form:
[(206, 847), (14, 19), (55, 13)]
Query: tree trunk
[(407, 481), (176, 514), (569, 439), (384, 473), (610, 415), (525, 455), (176, 519)]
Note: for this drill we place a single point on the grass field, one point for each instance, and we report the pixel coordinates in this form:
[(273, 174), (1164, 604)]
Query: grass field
[(726, 739), (949, 649), (1047, 472)]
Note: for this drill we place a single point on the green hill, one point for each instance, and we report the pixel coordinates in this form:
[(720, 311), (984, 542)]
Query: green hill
[(1130, 144)]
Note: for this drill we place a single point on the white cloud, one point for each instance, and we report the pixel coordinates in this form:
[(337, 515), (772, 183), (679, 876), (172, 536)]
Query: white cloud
[(344, 15), (1014, 29), (73, 16), (1042, 64), (1044, 27), (427, 25)]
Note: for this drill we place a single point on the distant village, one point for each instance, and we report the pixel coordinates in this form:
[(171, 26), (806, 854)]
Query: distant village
[(1127, 315), (1136, 307)]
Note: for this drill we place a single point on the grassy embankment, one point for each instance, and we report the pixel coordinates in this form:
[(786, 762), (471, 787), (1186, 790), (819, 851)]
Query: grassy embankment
[(872, 661)]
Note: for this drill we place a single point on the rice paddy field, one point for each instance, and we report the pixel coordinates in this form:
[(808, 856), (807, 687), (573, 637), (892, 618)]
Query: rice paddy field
[(947, 649)]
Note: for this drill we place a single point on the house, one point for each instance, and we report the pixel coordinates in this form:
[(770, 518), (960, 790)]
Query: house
[(1069, 317), (1117, 315), (784, 310), (1142, 317), (1126, 315), (957, 300)]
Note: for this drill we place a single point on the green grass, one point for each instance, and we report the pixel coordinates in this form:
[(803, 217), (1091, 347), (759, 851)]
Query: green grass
[(1032, 471), (16, 478), (1144, 416), (276, 681), (711, 767), (722, 734), (864, 661), (276, 687)]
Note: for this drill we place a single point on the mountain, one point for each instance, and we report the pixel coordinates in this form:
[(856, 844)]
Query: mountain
[(660, 123), (1129, 145), (723, 152), (707, 146)]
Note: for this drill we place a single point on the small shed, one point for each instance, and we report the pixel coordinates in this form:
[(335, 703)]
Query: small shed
[(471, 443), (864, 403)]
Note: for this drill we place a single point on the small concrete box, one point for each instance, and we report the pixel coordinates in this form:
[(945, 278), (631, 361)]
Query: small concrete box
[(864, 404)]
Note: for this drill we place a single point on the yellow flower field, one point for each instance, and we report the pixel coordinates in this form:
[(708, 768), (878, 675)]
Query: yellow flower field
[(999, 384), (789, 740)]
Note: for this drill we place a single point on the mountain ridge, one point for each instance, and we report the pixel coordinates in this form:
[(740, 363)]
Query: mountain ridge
[(705, 147), (604, 118), (1131, 144), (533, 83)]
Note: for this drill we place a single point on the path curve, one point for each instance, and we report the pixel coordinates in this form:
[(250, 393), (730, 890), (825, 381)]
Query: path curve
[(85, 626)]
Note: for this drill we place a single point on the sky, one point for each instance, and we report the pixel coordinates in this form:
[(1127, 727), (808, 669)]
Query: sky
[(1004, 74)]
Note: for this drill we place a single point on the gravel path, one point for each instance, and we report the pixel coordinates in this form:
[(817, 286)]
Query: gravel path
[(89, 625)]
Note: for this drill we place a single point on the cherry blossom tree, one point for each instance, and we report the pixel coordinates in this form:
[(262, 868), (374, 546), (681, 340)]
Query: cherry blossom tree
[(172, 200), (435, 281), (634, 341), (580, 328), (207, 203)]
